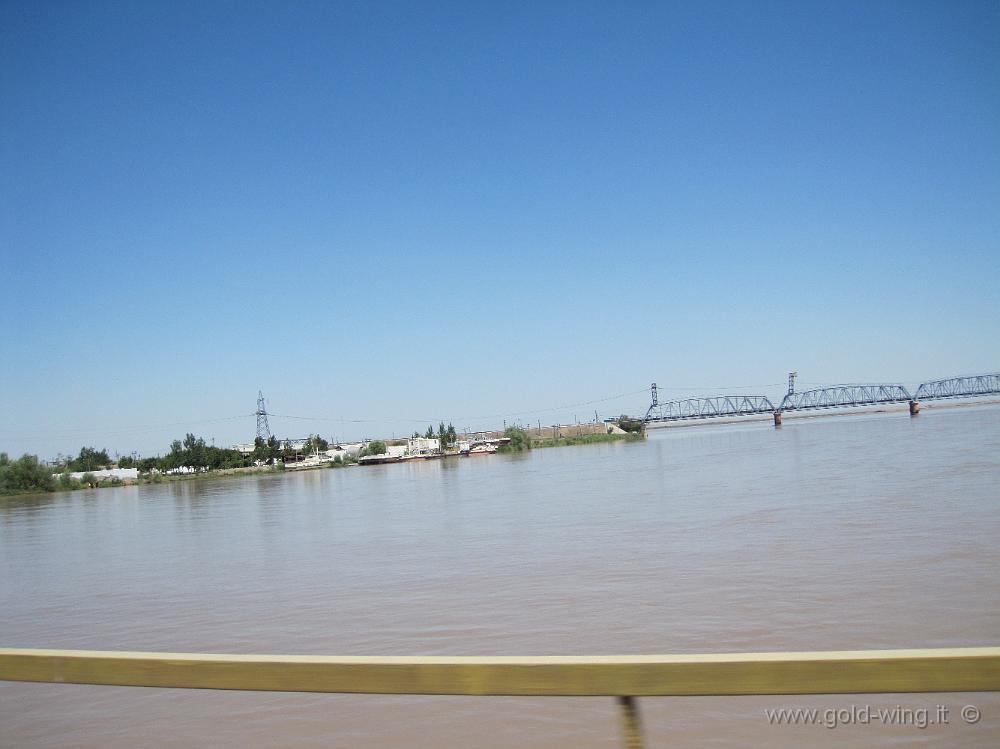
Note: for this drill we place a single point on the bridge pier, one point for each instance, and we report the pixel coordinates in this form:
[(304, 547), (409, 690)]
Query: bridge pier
[(777, 418), (914, 408)]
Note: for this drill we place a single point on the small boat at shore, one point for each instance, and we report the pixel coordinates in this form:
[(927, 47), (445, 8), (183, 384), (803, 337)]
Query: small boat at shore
[(313, 461), (371, 460), (482, 449)]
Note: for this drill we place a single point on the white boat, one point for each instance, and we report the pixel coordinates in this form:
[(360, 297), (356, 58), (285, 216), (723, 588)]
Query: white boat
[(482, 449), (371, 460), (313, 461)]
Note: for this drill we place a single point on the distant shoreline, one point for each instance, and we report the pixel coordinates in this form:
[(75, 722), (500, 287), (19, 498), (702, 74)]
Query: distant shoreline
[(164, 478), (537, 443)]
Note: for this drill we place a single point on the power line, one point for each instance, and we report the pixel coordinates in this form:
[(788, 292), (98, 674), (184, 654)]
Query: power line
[(262, 414), (459, 418), (719, 387), (58, 431)]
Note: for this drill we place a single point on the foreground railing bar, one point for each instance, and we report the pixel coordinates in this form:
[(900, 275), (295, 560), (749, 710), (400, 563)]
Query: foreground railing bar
[(836, 672)]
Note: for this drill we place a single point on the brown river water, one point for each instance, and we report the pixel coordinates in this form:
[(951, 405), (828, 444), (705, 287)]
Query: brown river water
[(840, 533)]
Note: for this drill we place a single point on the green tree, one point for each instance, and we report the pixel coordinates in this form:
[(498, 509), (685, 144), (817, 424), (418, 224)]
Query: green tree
[(375, 447), (315, 443), (265, 452), (519, 440), (24, 475), (451, 435), (173, 459), (629, 424), (66, 481), (194, 451), (287, 451), (261, 451), (429, 434), (90, 459)]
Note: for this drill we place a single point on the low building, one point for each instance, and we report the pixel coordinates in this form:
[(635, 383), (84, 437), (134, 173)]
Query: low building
[(345, 450), (422, 445)]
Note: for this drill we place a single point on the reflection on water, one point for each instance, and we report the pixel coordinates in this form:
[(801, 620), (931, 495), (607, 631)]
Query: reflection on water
[(874, 531)]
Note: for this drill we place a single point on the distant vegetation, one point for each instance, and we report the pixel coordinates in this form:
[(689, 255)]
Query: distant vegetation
[(28, 474), (89, 459), (447, 435), (265, 452), (519, 440), (375, 447), (192, 451), (24, 475), (629, 424), (316, 444), (588, 439)]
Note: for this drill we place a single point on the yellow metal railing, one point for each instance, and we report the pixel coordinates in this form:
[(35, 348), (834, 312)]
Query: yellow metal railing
[(624, 676)]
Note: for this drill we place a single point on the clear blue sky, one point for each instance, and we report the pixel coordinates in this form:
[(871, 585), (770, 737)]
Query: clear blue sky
[(445, 211)]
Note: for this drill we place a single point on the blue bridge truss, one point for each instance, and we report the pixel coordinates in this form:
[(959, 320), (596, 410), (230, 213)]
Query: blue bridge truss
[(960, 387), (836, 396), (707, 408), (844, 396)]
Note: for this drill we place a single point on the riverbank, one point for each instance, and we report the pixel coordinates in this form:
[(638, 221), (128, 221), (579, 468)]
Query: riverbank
[(163, 478), (587, 439)]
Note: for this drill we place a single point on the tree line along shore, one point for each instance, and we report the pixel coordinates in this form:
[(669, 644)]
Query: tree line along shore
[(192, 457)]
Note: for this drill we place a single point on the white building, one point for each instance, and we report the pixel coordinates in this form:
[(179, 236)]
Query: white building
[(422, 445), (395, 451), (344, 450), (124, 474)]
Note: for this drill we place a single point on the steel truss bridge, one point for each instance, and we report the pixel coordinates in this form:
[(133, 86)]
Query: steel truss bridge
[(845, 396), (960, 387), (707, 408), (836, 396)]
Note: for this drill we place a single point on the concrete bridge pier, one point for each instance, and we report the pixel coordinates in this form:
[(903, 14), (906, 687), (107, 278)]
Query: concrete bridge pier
[(914, 408), (777, 418)]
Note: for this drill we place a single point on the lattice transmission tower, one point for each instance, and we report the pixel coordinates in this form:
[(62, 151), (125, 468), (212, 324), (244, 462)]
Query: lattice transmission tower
[(263, 429)]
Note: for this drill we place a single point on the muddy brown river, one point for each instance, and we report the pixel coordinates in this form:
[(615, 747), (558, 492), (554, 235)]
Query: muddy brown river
[(839, 533)]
